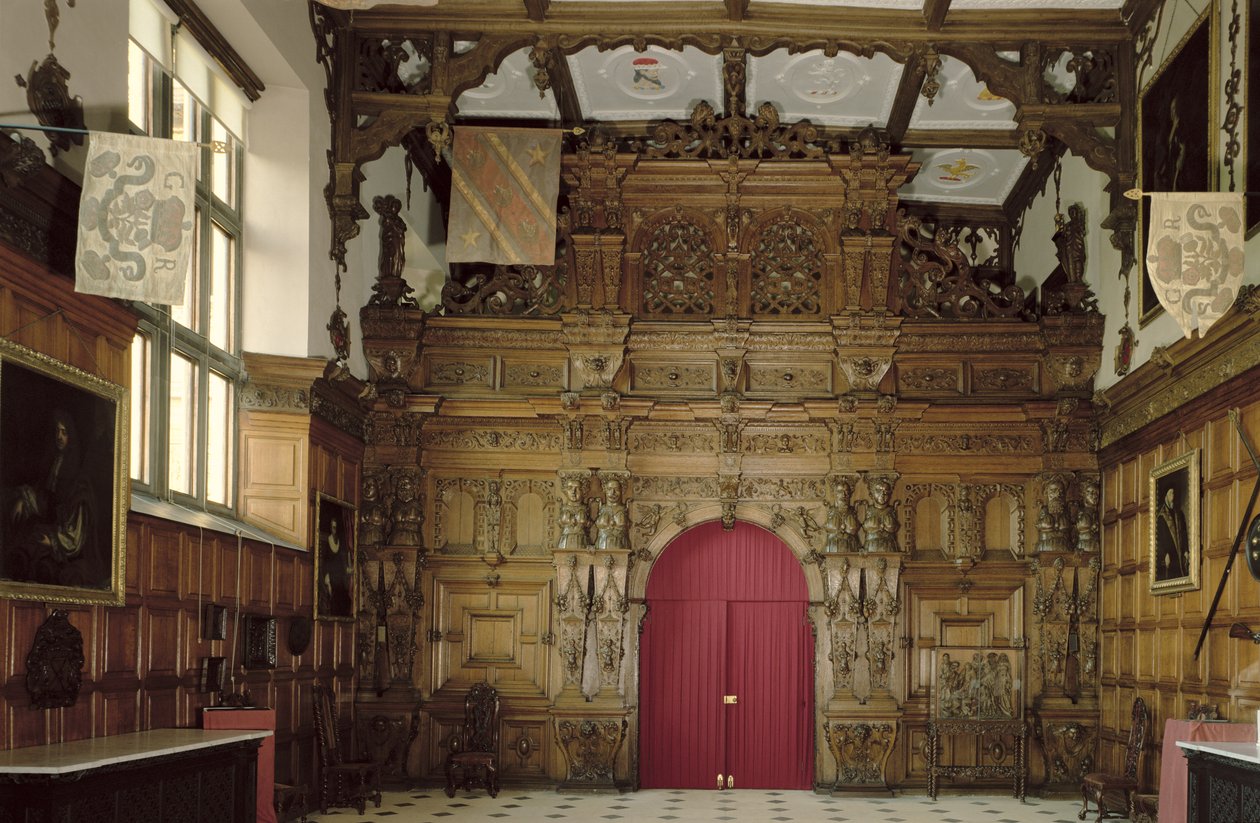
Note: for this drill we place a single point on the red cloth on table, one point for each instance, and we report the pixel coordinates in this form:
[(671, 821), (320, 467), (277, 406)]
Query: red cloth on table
[(1173, 775), (252, 719)]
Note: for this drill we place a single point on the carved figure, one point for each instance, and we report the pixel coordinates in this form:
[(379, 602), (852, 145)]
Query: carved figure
[(1070, 241), (573, 516), (372, 513), (880, 524), (408, 515), (979, 689), (611, 520), (393, 236), (842, 523), (1087, 539), (1052, 520), (494, 512)]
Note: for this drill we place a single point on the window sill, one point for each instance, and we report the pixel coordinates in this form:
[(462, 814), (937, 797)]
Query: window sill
[(153, 507)]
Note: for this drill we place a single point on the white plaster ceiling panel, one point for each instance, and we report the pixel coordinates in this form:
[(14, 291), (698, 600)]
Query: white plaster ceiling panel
[(962, 103), (1036, 4), (509, 92), (845, 90), (657, 84), (973, 176), (863, 4)]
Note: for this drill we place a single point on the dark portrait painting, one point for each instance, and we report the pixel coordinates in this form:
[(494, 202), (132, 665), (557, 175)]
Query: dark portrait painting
[(334, 559), (62, 481), (1174, 525), (1174, 127)]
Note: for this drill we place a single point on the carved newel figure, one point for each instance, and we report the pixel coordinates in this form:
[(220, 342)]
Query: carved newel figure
[(372, 514), (573, 516), (1087, 518), (842, 524), (1052, 521), (390, 288), (880, 524), (404, 526), (611, 521), (1070, 240)]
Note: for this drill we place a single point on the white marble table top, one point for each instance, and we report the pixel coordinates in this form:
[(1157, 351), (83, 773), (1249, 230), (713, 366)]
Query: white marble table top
[(1245, 752), (79, 755)]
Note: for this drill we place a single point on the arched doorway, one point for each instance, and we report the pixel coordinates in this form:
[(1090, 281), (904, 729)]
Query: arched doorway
[(726, 616)]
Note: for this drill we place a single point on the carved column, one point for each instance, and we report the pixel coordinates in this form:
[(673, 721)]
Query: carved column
[(860, 721), (1065, 666)]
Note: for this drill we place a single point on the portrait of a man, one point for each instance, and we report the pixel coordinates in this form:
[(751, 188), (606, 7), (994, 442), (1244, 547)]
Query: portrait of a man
[(334, 561), (1174, 525), (57, 484)]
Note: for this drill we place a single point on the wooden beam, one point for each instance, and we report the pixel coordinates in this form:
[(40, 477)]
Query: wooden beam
[(204, 32), (934, 12), (907, 98), (536, 10), (968, 138), (566, 93)]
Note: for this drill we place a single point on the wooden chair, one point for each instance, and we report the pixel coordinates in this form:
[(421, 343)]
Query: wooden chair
[(342, 782), (1103, 788), (474, 757)]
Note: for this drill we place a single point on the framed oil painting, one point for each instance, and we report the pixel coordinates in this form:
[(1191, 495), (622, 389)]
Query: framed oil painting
[(1251, 116), (1175, 134), (977, 684), (334, 553), (1174, 525), (63, 481)]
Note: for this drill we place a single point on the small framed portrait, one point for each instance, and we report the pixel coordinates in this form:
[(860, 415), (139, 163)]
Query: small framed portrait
[(976, 684), (1176, 133), (1174, 525), (63, 481), (334, 553)]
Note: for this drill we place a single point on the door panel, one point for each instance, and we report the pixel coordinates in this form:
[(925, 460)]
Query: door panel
[(769, 740), (681, 739)]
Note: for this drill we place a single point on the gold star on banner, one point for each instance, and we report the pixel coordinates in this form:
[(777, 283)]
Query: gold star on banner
[(470, 238), (537, 155)]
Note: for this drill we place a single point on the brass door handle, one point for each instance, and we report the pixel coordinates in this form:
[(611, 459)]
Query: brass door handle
[(730, 699)]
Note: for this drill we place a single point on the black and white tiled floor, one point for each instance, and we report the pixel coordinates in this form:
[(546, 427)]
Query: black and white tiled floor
[(743, 806)]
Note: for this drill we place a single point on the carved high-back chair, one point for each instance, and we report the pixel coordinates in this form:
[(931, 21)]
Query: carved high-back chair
[(1112, 793), (474, 757), (342, 781)]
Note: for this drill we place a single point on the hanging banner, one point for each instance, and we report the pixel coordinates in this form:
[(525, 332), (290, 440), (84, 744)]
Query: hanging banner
[(504, 185), (136, 218), (1194, 255)]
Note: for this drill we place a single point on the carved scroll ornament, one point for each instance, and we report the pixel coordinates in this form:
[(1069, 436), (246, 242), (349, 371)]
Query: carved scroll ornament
[(935, 279)]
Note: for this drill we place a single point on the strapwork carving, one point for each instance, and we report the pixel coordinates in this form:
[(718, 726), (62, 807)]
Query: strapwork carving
[(678, 271), (787, 263), (935, 279), (706, 135), (509, 290)]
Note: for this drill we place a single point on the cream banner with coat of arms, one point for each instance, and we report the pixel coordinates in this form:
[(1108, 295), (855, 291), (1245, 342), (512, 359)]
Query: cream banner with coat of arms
[(1194, 255), (136, 218)]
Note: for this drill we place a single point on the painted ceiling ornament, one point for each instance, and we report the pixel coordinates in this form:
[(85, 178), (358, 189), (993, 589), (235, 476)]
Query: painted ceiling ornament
[(958, 171), (1194, 256)]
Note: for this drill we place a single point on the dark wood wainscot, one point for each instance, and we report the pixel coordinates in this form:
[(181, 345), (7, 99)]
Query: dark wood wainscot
[(1224, 782), (147, 777)]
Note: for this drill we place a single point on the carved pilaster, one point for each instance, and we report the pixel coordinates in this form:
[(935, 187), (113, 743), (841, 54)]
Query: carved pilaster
[(607, 616), (861, 750), (843, 583), (571, 607), (591, 744)]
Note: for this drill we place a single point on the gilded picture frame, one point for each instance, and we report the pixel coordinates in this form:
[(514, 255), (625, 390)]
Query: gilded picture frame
[(334, 549), (1174, 540), (64, 481), (1176, 134), (977, 684)]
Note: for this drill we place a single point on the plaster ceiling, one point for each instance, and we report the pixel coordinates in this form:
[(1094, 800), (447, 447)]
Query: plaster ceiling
[(965, 136)]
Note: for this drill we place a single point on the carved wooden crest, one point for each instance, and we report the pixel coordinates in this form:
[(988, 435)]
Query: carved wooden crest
[(54, 666)]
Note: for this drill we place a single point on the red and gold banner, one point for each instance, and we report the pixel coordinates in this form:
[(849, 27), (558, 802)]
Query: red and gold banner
[(1194, 255), (504, 184)]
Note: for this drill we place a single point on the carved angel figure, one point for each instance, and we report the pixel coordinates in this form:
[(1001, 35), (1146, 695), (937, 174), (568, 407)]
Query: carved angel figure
[(573, 515), (842, 524), (611, 520), (880, 524)]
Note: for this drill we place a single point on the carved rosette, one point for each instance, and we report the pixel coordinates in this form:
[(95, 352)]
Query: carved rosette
[(861, 751), (590, 746)]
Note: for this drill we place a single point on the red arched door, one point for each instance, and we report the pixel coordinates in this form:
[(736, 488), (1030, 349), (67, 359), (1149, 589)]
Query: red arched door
[(726, 616)]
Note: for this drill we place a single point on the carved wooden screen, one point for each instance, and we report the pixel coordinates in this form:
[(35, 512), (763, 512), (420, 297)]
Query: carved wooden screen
[(678, 272), (787, 268)]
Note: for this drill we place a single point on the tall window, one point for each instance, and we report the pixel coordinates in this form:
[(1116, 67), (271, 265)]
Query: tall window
[(186, 359)]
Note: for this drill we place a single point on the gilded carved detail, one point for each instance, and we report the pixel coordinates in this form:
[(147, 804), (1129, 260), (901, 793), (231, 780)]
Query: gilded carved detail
[(274, 398), (491, 440), (590, 747), (1002, 378), (1068, 750), (788, 378), (781, 488), (928, 378), (533, 375), (650, 440), (673, 376), (670, 488), (458, 373), (785, 442)]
